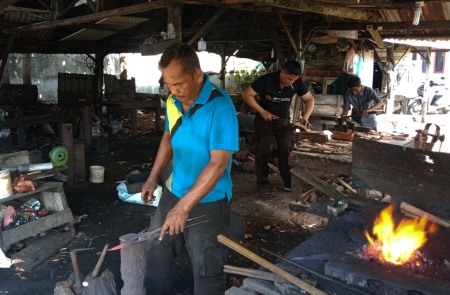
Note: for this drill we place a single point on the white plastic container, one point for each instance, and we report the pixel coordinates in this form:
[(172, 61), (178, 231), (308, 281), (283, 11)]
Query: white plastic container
[(6, 189), (97, 174)]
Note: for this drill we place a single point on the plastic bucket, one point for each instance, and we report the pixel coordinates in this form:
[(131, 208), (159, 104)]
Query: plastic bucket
[(6, 189), (97, 173)]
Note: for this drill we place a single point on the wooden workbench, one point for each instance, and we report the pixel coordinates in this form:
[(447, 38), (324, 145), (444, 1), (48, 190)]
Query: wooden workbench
[(133, 106), (310, 167), (22, 122)]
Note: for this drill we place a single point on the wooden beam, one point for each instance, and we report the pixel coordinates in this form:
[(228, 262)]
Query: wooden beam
[(288, 33), (5, 55), (174, 21), (45, 5), (309, 6), (66, 10), (6, 3), (377, 38), (206, 25), (276, 45), (138, 8)]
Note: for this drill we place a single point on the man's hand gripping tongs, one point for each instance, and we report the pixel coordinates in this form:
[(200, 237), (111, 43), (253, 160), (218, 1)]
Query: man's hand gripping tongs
[(146, 235)]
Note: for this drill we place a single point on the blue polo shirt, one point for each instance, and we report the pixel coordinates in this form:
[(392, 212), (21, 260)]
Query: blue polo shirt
[(210, 123), (274, 99)]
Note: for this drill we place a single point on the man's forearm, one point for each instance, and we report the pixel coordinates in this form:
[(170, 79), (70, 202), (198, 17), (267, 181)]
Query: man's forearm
[(163, 157), (376, 106), (309, 107)]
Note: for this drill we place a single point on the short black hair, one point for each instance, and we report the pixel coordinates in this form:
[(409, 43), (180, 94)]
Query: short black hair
[(185, 53), (353, 81), (292, 68)]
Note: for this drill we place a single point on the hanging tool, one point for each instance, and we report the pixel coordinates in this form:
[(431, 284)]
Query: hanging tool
[(143, 236)]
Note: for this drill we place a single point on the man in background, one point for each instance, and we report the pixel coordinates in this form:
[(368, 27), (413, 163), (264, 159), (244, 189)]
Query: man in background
[(362, 101), (275, 91)]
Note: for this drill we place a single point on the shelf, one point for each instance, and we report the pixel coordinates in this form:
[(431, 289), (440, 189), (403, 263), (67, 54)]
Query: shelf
[(51, 196)]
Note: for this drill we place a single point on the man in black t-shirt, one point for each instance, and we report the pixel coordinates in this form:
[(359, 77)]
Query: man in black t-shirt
[(275, 91)]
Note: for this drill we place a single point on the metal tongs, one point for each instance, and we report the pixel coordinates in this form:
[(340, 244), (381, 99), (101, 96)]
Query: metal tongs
[(146, 235)]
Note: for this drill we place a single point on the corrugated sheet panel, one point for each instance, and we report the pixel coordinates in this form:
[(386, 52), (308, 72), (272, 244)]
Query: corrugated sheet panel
[(25, 15), (115, 24)]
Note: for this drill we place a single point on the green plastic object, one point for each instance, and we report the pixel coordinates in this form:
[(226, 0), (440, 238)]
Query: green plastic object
[(2, 115), (59, 156)]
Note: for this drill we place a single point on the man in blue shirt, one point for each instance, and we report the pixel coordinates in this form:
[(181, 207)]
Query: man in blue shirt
[(362, 100), (201, 132), (275, 91)]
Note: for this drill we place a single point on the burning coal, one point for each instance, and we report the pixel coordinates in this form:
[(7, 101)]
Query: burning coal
[(397, 244)]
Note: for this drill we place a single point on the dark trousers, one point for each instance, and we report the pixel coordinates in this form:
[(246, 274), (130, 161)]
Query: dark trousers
[(264, 132), (207, 255)]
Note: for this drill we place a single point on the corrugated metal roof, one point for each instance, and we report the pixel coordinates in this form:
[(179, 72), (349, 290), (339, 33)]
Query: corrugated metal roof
[(438, 44), (25, 15), (115, 25)]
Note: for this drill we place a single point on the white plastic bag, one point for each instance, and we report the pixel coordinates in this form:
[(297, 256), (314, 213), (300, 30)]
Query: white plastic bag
[(136, 198)]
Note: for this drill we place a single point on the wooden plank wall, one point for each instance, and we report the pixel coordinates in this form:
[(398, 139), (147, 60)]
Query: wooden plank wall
[(415, 176)]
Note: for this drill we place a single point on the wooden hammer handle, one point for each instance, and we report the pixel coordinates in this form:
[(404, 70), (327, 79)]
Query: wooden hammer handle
[(273, 268), (100, 261), (420, 213), (76, 270)]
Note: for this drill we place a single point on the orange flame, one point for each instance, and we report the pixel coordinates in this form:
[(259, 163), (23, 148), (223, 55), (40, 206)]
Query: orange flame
[(397, 244)]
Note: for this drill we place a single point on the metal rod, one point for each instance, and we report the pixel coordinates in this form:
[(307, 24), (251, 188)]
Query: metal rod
[(317, 274)]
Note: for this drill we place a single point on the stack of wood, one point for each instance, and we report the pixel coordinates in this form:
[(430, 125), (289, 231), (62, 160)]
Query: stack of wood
[(325, 148), (311, 196)]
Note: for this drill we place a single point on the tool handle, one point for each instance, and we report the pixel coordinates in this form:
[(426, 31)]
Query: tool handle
[(100, 261), (76, 268)]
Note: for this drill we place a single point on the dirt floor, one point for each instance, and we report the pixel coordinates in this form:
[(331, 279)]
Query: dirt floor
[(101, 217)]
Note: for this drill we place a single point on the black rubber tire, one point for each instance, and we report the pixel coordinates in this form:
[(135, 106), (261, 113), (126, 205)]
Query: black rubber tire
[(415, 108)]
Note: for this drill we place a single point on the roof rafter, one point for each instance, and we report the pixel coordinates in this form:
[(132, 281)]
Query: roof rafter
[(93, 17), (332, 10)]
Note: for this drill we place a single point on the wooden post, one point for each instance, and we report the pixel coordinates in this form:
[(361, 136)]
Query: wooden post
[(26, 69), (67, 142), (4, 56), (174, 18), (87, 127), (79, 162)]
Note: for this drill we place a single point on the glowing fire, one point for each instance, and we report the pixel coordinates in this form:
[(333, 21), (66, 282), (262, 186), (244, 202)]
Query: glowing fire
[(397, 244)]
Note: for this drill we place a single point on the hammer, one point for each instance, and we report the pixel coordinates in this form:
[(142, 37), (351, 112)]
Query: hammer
[(96, 270)]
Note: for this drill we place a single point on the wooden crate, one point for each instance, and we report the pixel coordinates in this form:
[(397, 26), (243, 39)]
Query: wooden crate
[(52, 197), (76, 88)]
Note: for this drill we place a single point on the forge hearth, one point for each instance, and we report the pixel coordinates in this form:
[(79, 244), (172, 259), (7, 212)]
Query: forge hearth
[(337, 252), (380, 278)]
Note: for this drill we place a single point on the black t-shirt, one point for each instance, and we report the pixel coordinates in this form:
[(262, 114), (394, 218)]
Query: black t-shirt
[(272, 98)]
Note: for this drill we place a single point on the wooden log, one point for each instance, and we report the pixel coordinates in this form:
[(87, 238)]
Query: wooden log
[(422, 214), (347, 186), (259, 274), (133, 263), (273, 268), (315, 181)]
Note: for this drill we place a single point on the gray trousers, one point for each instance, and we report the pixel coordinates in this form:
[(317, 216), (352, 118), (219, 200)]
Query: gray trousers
[(207, 255)]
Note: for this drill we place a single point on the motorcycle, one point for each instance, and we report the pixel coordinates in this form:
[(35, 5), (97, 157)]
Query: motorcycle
[(439, 102)]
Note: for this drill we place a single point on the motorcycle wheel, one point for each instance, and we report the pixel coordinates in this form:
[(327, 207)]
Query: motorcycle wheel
[(415, 107)]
